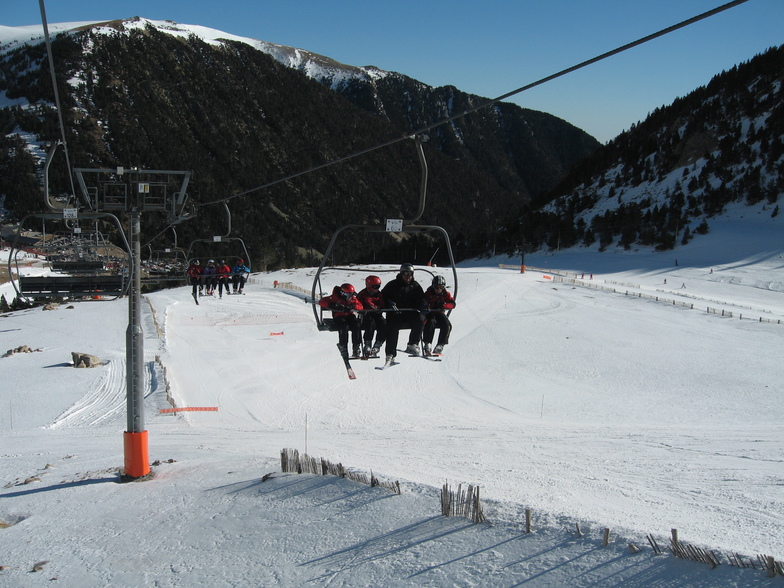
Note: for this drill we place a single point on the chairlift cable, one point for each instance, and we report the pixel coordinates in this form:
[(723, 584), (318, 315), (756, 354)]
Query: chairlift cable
[(490, 102)]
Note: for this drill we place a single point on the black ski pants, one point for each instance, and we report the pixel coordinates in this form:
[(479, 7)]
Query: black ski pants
[(440, 320), (404, 319), (374, 323), (344, 324)]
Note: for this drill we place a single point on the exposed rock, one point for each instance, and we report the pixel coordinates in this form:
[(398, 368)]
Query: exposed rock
[(20, 349), (85, 360)]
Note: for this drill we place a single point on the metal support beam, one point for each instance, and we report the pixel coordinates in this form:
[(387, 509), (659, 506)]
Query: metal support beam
[(137, 462)]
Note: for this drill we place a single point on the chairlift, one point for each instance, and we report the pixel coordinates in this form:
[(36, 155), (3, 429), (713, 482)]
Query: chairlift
[(165, 264), (390, 226), (76, 250), (218, 247), (83, 265)]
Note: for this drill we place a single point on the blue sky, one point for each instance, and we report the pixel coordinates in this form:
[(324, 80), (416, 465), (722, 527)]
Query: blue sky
[(491, 47)]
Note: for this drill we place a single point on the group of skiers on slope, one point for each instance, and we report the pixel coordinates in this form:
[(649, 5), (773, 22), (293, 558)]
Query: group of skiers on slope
[(219, 276), (405, 304)]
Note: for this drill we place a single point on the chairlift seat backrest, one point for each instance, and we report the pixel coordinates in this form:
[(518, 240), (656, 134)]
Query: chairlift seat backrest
[(71, 286)]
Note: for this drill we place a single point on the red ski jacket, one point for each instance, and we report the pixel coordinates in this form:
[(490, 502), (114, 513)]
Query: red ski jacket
[(439, 300), (223, 271), (371, 299), (339, 305)]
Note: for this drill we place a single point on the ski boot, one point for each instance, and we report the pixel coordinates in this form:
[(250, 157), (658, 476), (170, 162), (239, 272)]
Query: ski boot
[(438, 350), (426, 349), (412, 349)]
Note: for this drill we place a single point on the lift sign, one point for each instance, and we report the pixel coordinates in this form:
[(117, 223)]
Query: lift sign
[(394, 225)]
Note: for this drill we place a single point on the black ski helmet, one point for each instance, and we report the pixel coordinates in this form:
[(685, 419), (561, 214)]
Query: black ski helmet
[(407, 267), (439, 281)]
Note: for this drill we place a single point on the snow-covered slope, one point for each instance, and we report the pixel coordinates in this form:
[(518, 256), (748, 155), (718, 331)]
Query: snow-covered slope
[(606, 408)]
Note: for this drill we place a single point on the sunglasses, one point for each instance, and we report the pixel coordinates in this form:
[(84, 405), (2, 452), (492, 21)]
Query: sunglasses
[(374, 286), (409, 274), (438, 287)]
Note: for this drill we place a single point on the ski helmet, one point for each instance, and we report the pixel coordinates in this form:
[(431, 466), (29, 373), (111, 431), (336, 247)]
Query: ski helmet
[(240, 261), (372, 281), (347, 290), (439, 281), (407, 267), (211, 261)]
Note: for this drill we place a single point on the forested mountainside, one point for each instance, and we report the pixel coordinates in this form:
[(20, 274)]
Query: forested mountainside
[(659, 183), (135, 95)]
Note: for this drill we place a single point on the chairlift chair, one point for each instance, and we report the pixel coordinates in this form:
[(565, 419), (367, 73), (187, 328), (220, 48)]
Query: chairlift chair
[(390, 226), (87, 277), (213, 248)]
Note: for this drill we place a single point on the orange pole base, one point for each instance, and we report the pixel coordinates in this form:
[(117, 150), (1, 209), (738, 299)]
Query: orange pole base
[(137, 462)]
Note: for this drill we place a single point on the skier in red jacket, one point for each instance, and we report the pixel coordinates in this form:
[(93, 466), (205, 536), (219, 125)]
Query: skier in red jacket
[(373, 322), (194, 273), (438, 299), (343, 303), (222, 273)]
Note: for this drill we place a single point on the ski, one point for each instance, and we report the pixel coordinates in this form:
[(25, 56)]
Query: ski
[(196, 299), (349, 370), (427, 357)]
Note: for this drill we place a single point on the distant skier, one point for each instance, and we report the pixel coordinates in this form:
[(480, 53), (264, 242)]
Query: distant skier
[(239, 275), (343, 303), (222, 272), (208, 275), (439, 299), (194, 273), (407, 299)]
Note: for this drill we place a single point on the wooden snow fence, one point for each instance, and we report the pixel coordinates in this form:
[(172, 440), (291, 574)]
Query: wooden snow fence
[(764, 562), (687, 551), (462, 503), (661, 299), (292, 462)]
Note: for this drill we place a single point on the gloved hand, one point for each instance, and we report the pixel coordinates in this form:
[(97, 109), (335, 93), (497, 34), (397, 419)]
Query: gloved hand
[(394, 307)]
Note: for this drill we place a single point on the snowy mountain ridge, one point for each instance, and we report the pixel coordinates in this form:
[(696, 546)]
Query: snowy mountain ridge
[(321, 68), (668, 176)]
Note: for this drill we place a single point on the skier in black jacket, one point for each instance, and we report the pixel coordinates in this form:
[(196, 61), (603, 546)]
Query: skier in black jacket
[(407, 300)]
